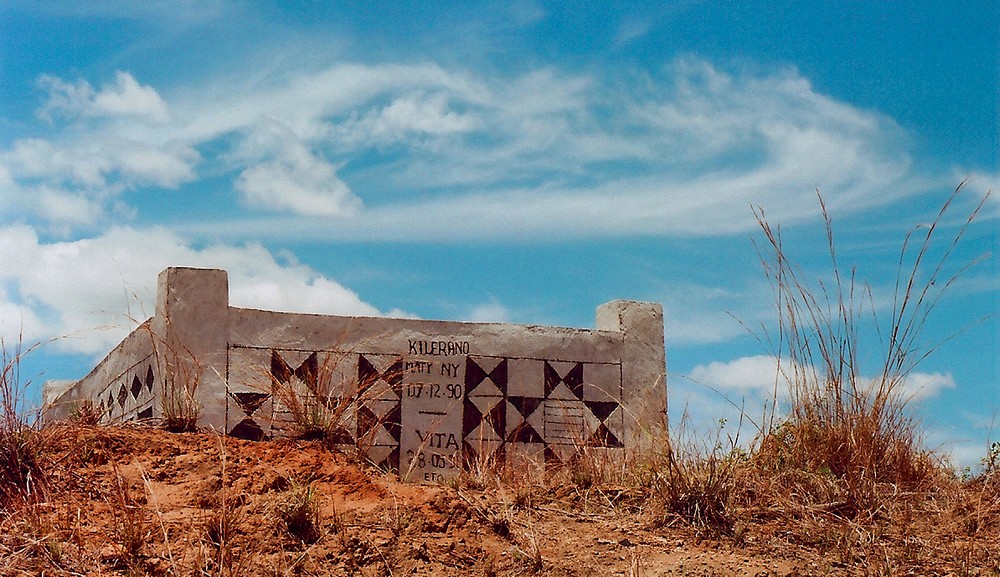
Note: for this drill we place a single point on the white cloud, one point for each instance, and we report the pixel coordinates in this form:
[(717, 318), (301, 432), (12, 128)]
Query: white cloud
[(755, 373), (408, 116), (76, 181), (88, 293), (490, 312), (556, 155), (292, 178), (60, 207), (762, 375), (542, 154), (918, 386), (123, 98)]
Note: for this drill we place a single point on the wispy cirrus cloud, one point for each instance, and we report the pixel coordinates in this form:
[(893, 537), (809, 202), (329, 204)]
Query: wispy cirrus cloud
[(539, 154)]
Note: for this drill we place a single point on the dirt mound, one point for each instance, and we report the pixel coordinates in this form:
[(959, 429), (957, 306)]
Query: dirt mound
[(140, 501)]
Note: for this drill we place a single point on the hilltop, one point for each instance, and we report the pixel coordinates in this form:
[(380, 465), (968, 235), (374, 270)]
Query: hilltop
[(136, 500)]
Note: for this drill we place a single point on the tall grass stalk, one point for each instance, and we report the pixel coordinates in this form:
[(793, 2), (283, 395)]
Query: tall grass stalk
[(23, 444), (840, 422)]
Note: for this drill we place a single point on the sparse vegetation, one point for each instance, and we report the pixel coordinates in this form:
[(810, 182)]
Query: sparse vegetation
[(317, 399), (299, 511), (839, 484), (24, 446), (179, 406), (132, 527), (855, 428)]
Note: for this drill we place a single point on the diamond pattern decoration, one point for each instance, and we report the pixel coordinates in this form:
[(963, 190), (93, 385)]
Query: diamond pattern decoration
[(494, 383), (525, 423), (378, 419), (551, 414), (484, 410), (281, 376), (129, 396), (307, 372), (250, 401), (122, 396), (136, 387), (247, 429), (370, 376)]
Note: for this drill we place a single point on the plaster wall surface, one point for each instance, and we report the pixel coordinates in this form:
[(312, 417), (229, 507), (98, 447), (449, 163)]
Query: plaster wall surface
[(423, 398)]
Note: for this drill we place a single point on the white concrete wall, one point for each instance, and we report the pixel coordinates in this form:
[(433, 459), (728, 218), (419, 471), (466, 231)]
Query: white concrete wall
[(421, 397)]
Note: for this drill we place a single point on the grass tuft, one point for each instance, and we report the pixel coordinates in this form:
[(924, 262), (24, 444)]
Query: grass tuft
[(24, 445), (299, 511), (841, 423)]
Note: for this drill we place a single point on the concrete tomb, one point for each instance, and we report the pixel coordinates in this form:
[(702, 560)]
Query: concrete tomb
[(421, 398)]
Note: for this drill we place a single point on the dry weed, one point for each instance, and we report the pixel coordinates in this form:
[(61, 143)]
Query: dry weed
[(840, 423)]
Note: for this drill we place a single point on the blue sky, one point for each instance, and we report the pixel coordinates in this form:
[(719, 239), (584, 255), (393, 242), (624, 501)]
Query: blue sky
[(508, 161)]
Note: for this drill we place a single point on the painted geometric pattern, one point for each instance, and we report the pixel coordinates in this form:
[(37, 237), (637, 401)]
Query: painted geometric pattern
[(271, 392), (378, 425), (542, 409), (539, 408), (129, 396), (278, 392)]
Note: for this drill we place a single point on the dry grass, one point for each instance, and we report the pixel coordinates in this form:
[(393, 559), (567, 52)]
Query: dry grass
[(24, 446), (857, 430), (299, 511), (842, 476), (181, 374), (317, 398)]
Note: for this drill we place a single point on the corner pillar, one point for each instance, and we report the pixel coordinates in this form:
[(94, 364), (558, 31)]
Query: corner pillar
[(192, 325), (644, 366)]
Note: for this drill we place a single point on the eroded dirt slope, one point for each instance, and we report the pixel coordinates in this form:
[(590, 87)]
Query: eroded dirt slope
[(138, 501)]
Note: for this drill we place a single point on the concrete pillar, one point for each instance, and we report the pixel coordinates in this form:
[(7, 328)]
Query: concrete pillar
[(644, 367), (192, 324)]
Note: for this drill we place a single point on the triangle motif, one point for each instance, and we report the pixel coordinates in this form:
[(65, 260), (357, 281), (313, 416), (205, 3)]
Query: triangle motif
[(250, 401), (525, 405), (525, 433), (474, 375), (601, 409), (247, 429), (603, 437), (471, 417)]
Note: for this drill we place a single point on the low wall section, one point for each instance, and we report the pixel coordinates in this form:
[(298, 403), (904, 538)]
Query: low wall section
[(418, 397)]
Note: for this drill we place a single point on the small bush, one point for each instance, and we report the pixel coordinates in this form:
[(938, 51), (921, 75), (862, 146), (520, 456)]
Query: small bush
[(694, 483), (316, 400), (179, 406), (299, 511)]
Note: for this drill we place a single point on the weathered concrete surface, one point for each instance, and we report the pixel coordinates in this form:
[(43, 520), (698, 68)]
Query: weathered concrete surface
[(420, 397)]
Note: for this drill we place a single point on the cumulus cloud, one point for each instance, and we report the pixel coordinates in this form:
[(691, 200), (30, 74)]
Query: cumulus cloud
[(753, 392), (754, 373), (89, 293), (764, 376), (124, 97), (489, 312), (288, 176)]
